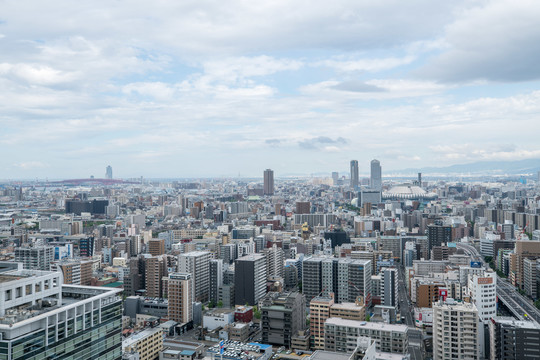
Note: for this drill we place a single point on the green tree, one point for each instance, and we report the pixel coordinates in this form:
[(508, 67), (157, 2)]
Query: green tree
[(257, 314), (211, 304), (220, 304), (368, 317)]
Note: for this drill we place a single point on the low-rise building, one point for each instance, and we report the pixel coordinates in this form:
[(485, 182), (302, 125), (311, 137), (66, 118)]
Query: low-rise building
[(147, 343)]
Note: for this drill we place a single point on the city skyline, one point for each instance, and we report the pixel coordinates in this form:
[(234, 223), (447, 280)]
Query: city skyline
[(168, 88)]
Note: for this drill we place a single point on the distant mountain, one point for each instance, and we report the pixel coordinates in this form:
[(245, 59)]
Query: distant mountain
[(527, 166)]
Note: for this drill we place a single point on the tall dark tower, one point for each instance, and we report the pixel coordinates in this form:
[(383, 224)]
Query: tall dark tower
[(268, 182)]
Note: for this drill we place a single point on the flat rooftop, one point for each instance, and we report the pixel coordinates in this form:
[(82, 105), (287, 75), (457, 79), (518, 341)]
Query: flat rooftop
[(16, 275), (71, 296), (325, 355), (367, 325)]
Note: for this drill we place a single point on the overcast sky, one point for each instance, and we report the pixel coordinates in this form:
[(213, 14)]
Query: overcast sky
[(220, 88)]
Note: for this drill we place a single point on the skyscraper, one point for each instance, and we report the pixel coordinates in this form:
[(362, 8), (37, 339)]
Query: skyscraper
[(268, 182), (108, 172), (354, 174), (376, 175)]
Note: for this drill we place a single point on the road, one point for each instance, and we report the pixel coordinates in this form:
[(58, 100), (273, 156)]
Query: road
[(521, 306), (407, 311)]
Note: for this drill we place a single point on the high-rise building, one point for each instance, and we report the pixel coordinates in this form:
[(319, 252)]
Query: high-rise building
[(180, 297), (268, 188), (86, 246), (511, 339), (523, 249), (319, 312), (35, 258), (482, 290), (283, 314), (389, 292), (312, 277), (216, 279), (156, 247), (347, 278), (274, 261), (249, 279), (108, 172), (354, 174), (455, 331), (376, 175), (335, 178), (197, 263), (75, 272), (303, 207), (50, 320), (438, 235), (530, 276), (156, 270)]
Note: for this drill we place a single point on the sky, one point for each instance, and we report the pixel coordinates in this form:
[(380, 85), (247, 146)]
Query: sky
[(229, 88)]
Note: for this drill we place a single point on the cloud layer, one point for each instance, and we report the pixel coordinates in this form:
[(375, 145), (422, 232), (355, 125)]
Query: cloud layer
[(158, 90)]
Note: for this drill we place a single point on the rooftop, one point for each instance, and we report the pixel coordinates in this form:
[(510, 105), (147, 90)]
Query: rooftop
[(366, 325), (325, 355), (517, 323), (17, 275), (71, 296), (133, 339)]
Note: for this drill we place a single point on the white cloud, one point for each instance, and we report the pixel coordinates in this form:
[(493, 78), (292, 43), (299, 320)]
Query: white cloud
[(197, 82), (371, 65), (496, 40)]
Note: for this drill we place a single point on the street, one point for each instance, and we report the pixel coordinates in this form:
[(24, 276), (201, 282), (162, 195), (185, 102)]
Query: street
[(407, 311)]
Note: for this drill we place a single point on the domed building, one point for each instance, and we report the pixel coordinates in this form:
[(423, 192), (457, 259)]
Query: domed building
[(408, 192)]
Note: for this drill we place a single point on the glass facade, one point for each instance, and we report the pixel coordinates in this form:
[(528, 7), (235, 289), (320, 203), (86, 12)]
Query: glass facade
[(102, 341)]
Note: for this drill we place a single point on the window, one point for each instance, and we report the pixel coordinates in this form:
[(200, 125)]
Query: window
[(8, 295), (18, 292)]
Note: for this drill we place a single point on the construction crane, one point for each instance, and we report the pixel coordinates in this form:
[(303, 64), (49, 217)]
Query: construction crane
[(522, 233)]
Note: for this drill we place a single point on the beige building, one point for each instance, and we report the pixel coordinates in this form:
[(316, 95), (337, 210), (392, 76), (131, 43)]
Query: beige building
[(322, 308), (156, 269), (156, 247), (76, 272), (527, 249), (180, 294), (147, 344), (319, 311)]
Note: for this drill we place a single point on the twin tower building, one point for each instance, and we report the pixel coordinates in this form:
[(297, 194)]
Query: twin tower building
[(372, 194), (375, 182)]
